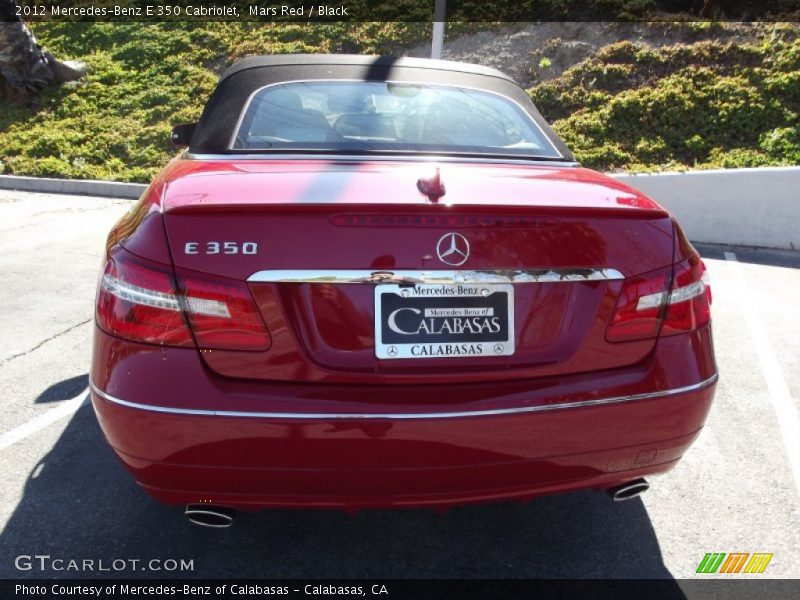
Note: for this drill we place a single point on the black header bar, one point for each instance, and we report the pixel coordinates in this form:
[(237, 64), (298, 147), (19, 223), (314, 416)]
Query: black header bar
[(270, 11), (395, 589)]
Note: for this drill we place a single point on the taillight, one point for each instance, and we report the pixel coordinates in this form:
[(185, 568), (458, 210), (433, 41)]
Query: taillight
[(222, 314), (662, 302), (139, 300), (427, 220), (136, 300), (640, 307), (689, 302)]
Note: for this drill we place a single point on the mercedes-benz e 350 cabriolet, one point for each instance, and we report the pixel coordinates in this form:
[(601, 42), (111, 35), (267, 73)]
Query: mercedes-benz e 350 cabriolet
[(375, 282)]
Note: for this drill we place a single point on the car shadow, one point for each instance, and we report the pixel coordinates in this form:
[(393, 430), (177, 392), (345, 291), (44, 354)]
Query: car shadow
[(79, 503), (64, 390)]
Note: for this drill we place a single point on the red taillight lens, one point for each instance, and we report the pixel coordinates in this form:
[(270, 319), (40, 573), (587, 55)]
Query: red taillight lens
[(222, 314), (689, 302), (640, 307), (136, 300), (648, 303)]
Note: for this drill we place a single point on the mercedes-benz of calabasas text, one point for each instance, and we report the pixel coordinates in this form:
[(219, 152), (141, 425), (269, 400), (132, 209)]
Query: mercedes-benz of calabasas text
[(379, 282)]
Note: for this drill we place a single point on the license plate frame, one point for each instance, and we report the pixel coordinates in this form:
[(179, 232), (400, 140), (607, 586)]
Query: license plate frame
[(477, 303)]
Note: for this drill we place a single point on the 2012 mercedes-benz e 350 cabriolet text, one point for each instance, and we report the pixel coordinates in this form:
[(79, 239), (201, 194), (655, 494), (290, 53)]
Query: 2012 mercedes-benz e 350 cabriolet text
[(375, 282)]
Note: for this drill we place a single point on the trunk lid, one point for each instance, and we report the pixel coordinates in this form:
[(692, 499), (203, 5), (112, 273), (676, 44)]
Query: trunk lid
[(560, 232)]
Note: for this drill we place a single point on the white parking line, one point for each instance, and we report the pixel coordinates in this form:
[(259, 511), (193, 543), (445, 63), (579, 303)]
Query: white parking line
[(788, 419), (67, 407)]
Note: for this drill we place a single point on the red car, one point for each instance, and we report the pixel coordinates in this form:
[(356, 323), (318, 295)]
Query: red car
[(375, 282)]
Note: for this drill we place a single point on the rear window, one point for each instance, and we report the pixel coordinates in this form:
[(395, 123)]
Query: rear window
[(387, 117)]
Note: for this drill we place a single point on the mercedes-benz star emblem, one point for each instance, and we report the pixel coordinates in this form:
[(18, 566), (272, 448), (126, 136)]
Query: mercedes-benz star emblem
[(498, 348), (453, 249), (391, 351)]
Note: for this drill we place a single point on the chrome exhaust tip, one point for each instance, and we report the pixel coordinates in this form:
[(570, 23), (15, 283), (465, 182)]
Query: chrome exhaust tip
[(206, 515), (629, 490)]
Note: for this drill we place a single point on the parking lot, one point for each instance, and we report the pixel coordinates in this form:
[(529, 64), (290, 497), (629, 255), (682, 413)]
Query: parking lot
[(65, 495)]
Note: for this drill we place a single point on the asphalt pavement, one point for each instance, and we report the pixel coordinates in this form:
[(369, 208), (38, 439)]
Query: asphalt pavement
[(64, 495)]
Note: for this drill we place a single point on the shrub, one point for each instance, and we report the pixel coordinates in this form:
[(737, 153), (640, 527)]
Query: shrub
[(710, 103), (142, 79), (702, 105)]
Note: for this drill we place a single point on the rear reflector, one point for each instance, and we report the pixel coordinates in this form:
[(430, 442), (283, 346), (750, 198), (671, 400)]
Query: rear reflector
[(648, 304), (138, 300)]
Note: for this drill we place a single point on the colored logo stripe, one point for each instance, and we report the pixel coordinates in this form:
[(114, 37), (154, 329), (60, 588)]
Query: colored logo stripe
[(734, 562), (758, 562), (714, 562), (711, 562)]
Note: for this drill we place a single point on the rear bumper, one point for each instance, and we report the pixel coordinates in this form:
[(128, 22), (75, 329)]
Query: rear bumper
[(189, 437), (257, 463)]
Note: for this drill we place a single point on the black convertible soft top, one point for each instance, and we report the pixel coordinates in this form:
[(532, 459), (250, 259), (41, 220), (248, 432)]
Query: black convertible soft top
[(226, 105), (359, 60)]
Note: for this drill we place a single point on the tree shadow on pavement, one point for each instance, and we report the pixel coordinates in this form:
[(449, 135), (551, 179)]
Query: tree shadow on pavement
[(79, 503)]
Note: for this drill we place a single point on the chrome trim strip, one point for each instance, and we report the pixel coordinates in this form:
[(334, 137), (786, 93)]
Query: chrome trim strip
[(338, 276), (349, 158), (406, 416)]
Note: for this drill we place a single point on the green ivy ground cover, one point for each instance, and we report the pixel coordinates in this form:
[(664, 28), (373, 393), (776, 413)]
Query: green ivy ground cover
[(703, 105)]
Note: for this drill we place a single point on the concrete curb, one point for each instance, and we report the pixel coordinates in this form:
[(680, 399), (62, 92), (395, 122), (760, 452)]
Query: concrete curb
[(739, 207), (82, 187)]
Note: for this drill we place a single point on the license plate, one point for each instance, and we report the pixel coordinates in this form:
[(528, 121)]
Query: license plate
[(444, 321)]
